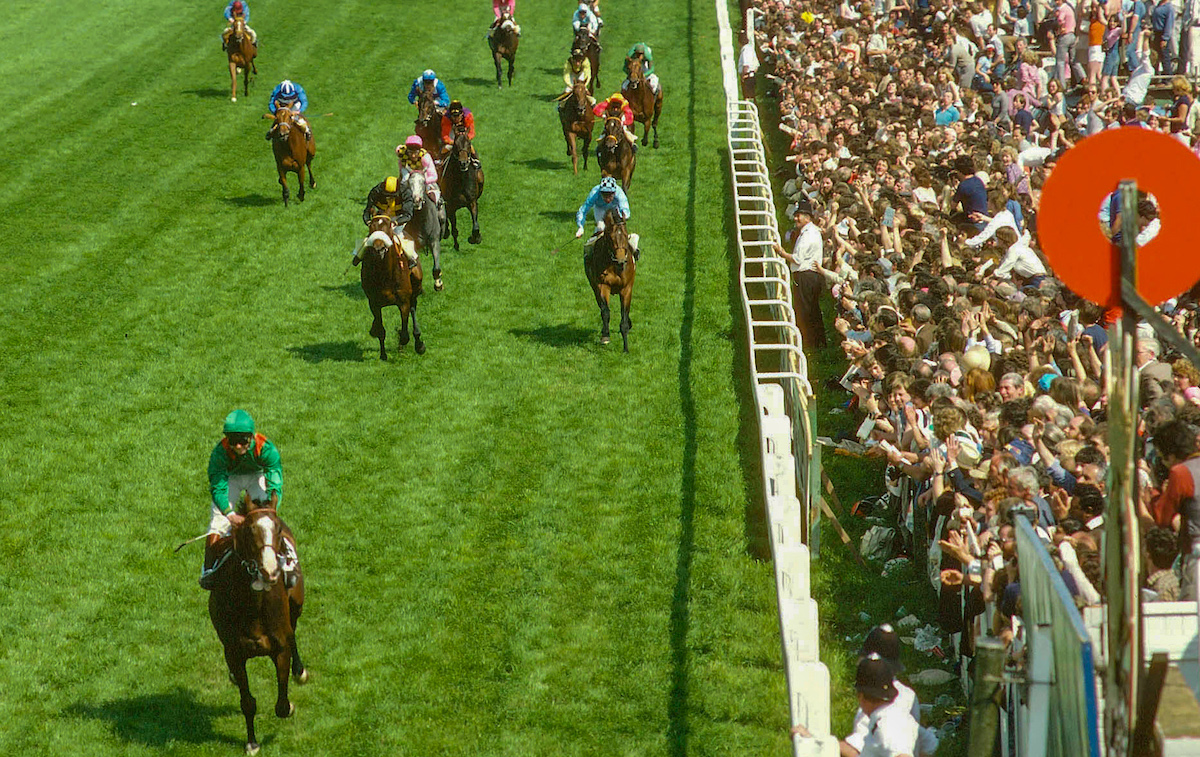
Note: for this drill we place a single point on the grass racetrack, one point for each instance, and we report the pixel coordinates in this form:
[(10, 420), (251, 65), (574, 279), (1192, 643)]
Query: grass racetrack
[(521, 543)]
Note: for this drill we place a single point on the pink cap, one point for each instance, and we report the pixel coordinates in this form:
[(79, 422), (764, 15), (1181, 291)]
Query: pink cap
[(414, 141)]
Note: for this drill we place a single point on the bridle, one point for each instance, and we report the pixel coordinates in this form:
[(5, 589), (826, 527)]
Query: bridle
[(251, 565)]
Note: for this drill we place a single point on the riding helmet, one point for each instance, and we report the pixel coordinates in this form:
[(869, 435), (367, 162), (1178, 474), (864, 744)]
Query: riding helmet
[(287, 89), (428, 75), (237, 6), (413, 141), (389, 184), (239, 422), (456, 106), (608, 184)]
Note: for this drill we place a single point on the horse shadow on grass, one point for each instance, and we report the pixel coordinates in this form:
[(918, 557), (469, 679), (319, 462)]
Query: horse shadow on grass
[(340, 352), (157, 720), (207, 92), (559, 336), (543, 164), (545, 98), (565, 216), (255, 200), (351, 289), (475, 81)]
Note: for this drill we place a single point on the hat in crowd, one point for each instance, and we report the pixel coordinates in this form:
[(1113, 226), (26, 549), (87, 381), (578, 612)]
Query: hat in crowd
[(875, 679), (885, 642), (977, 356), (1045, 381), (803, 205)]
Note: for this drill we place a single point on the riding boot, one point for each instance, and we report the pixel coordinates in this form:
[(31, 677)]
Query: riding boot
[(635, 243), (289, 562), (214, 550)]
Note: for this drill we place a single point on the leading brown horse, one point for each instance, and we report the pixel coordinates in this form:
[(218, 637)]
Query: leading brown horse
[(241, 53), (255, 613), (504, 41), (644, 102), (390, 278), (293, 150), (610, 266), (575, 114), (614, 153)]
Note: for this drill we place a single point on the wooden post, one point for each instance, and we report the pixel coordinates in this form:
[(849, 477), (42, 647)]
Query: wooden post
[(985, 697)]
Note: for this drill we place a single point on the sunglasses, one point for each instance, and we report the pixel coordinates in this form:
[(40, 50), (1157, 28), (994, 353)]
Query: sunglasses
[(239, 439)]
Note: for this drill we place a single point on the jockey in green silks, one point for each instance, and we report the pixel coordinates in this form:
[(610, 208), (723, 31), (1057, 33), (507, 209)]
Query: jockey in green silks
[(243, 461)]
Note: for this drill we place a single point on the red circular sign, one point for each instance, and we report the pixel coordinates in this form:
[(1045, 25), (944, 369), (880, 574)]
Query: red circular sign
[(1069, 231)]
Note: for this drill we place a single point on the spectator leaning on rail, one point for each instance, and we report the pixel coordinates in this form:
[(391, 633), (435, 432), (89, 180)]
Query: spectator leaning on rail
[(891, 730)]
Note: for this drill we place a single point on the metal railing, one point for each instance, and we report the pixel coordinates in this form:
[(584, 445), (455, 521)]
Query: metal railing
[(790, 468)]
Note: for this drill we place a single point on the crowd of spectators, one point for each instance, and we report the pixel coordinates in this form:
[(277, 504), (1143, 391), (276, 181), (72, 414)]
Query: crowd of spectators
[(922, 132)]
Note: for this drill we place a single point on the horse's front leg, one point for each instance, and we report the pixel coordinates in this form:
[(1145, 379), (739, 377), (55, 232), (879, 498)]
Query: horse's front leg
[(246, 82), (626, 323), (512, 64), (283, 669), (377, 329), (283, 183), (587, 147), (418, 343), (496, 60), (300, 180), (232, 81), (573, 151), (404, 310), (602, 298), (475, 237), (237, 671), (452, 217), (434, 245)]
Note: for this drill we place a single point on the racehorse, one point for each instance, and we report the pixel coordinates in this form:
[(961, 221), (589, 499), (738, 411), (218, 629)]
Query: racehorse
[(425, 227), (389, 278), (255, 613), (504, 41), (591, 48), (577, 119), (428, 125), (610, 267), (645, 104), (241, 53), (462, 184), (614, 152), (293, 151)]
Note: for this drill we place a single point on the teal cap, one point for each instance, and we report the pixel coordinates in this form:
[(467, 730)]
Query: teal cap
[(239, 422)]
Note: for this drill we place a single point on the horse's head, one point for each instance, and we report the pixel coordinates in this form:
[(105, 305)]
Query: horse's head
[(461, 149), (416, 185), (379, 236), (637, 74), (285, 119), (617, 236), (583, 38), (259, 541), (239, 26), (426, 106), (614, 131)]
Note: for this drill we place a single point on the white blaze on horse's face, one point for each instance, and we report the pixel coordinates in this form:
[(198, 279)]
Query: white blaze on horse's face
[(269, 560)]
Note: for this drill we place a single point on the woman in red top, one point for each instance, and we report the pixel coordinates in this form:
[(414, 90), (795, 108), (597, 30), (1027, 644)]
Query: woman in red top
[(1096, 30)]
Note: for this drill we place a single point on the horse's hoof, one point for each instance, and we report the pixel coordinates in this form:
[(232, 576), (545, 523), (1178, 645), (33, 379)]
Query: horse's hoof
[(252, 748), (604, 340), (475, 238), (303, 677), (291, 709), (656, 144), (420, 348), (438, 285)]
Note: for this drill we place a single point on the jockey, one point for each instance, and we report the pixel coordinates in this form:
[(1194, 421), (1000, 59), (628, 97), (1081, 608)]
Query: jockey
[(577, 69), (456, 116), (412, 156), (584, 18), (392, 198), (605, 196), (429, 82), (244, 461), (641, 50), (288, 94), (505, 11), (237, 8), (618, 107)]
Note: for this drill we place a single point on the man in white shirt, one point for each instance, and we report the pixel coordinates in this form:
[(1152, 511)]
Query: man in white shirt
[(1020, 258), (885, 642), (748, 69), (891, 731), (808, 282)]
